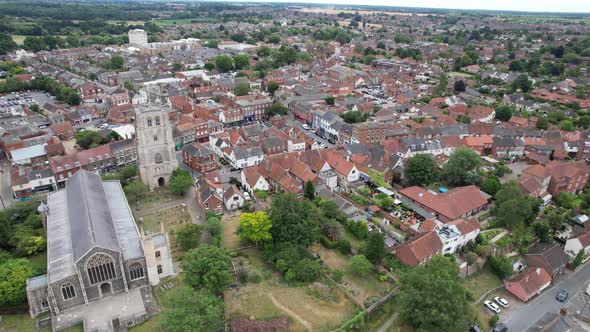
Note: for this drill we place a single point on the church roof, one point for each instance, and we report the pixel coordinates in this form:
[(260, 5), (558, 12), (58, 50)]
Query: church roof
[(88, 213)]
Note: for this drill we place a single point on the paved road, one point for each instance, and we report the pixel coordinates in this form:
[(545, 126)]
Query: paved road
[(523, 317), (294, 123), (5, 188)]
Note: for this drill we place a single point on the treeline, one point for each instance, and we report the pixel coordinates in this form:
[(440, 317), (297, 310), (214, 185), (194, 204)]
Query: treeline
[(61, 91), (81, 11)]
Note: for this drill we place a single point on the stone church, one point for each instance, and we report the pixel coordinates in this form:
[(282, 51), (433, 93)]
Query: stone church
[(155, 145), (97, 271)]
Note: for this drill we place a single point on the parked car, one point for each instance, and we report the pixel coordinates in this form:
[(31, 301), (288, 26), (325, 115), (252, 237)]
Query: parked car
[(501, 301), (562, 295), (500, 328), (492, 306), (305, 126), (246, 195), (331, 140)]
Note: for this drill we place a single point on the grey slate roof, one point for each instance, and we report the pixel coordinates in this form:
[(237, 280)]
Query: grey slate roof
[(88, 213)]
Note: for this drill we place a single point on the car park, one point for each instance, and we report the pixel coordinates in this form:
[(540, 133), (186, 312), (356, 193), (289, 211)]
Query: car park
[(501, 301), (562, 295), (492, 306)]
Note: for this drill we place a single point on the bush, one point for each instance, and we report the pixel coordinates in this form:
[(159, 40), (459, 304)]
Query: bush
[(361, 265), (336, 275), (344, 247), (243, 276), (254, 278), (329, 244), (494, 320), (501, 266)]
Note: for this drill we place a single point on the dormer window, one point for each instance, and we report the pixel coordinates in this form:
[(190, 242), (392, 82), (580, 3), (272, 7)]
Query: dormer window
[(99, 157), (77, 163), (91, 159), (67, 166), (59, 169)]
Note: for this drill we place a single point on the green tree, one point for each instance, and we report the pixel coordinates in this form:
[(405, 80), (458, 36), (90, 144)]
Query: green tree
[(35, 108), (7, 44), (375, 248), (523, 83), (360, 265), (329, 100), (491, 184), (188, 236), (433, 297), (276, 109), (224, 63), (176, 66), (87, 139), (542, 123), (255, 227), (242, 89), (127, 173), (180, 181), (272, 87), (13, 281), (441, 88), (305, 270), (579, 259), (513, 207), (241, 61), (309, 190), (383, 201), (471, 258), (542, 230), (567, 125), (189, 310), (129, 85), (207, 267), (117, 62), (503, 113), (501, 266), (213, 226), (462, 168), (293, 220), (421, 170), (135, 190)]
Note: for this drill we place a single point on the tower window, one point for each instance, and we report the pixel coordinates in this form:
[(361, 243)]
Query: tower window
[(158, 158), (157, 120), (136, 271), (149, 122), (155, 138)]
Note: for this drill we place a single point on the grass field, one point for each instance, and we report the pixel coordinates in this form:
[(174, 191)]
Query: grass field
[(161, 295), (19, 39), (153, 199), (460, 74), (186, 21), (172, 219), (316, 307), (481, 282), (362, 287)]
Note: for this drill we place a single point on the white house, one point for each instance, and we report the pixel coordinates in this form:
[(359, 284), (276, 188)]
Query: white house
[(252, 180), (457, 233), (245, 156), (233, 199), (575, 244)]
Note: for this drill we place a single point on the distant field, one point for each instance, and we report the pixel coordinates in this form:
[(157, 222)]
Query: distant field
[(126, 22), (334, 11), (546, 19), (460, 74), (19, 39), (186, 21)]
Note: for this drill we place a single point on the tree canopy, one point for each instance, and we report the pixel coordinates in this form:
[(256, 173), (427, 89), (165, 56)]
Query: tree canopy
[(462, 168), (188, 236), (13, 281), (433, 297), (293, 220), (421, 170), (513, 207), (180, 181), (255, 227), (503, 113), (207, 267), (189, 310)]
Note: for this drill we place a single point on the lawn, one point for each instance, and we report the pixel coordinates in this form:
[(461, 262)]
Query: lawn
[(481, 282), (318, 306), (229, 238), (153, 199), (460, 74), (18, 323), (172, 218), (161, 295), (361, 287), (186, 21)]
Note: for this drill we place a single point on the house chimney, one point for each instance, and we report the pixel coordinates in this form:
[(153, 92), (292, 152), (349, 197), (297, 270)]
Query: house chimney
[(538, 270)]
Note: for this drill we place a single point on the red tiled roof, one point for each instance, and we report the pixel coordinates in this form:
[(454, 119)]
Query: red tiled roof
[(420, 249), (530, 281), (452, 204)]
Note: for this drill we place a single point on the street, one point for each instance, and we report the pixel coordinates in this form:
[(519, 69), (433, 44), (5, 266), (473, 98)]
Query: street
[(5, 187), (523, 317), (290, 121)]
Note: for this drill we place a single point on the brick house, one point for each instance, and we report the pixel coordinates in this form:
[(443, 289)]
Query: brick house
[(419, 250), (199, 157), (549, 256)]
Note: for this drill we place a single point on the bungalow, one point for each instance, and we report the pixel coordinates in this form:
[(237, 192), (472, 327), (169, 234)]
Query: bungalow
[(460, 202), (528, 283)]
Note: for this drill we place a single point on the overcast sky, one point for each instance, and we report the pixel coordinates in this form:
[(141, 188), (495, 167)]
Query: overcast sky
[(570, 6)]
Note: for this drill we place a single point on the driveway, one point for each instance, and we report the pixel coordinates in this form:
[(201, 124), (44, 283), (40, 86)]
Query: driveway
[(526, 315), (516, 168)]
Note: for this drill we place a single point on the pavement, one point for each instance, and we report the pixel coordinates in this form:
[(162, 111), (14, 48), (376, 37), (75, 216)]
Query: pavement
[(290, 121), (523, 317)]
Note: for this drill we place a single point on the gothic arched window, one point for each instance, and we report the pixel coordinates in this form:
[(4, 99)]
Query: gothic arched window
[(158, 158), (136, 271), (157, 120), (149, 122), (100, 268), (68, 291)]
